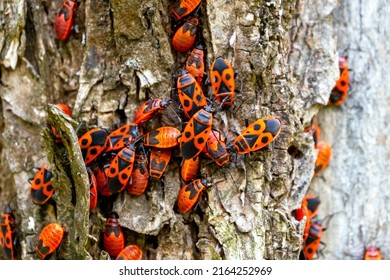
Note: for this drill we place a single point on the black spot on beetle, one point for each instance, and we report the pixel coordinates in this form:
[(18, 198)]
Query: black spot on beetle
[(256, 127), (93, 151)]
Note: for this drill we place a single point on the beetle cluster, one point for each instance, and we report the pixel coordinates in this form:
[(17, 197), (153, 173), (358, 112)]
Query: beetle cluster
[(199, 136), (126, 158)]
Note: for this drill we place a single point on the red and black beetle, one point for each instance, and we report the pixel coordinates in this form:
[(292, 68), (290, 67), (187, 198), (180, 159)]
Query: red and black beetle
[(64, 19), (8, 238), (49, 239), (113, 239)]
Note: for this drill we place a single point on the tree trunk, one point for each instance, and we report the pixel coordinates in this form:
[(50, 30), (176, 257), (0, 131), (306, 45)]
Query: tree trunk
[(120, 54), (353, 189)]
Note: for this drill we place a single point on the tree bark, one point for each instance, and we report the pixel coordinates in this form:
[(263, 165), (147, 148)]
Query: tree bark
[(118, 55), (353, 189)]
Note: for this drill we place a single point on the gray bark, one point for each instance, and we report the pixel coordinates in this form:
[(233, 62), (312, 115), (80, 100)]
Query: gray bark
[(354, 187), (119, 54)]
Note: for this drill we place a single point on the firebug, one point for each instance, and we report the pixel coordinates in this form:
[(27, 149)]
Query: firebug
[(131, 252), (195, 63), (120, 170), (372, 253), (8, 238), (49, 239), (309, 209), (41, 186), (216, 148), (222, 81), (182, 8), (189, 194), (92, 144), (65, 108), (323, 157), (102, 179), (196, 133), (149, 109), (340, 91), (67, 111), (312, 202), (190, 168), (113, 239), (159, 159), (64, 19), (190, 94), (163, 137), (121, 137), (139, 177), (257, 135), (185, 36), (314, 240)]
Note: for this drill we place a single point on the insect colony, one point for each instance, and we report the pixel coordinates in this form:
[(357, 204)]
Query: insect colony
[(128, 157)]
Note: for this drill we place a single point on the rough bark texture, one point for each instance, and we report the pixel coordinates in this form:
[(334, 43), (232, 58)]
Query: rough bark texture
[(120, 54), (354, 187)]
